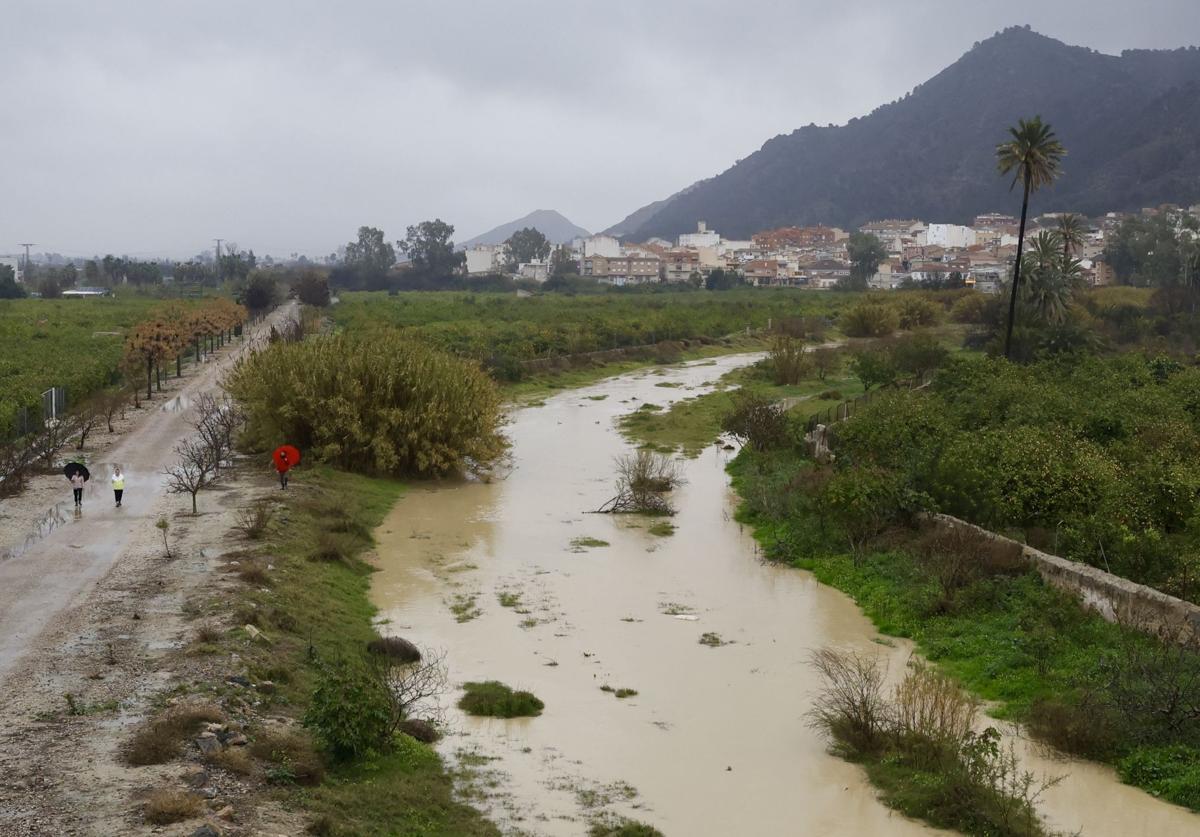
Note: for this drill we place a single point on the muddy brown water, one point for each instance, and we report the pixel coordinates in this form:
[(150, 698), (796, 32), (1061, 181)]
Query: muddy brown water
[(716, 741)]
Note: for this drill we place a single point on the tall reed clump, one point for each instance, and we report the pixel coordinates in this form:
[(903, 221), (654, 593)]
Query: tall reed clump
[(375, 404)]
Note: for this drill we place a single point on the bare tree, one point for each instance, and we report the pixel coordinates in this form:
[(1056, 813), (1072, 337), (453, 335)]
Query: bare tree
[(195, 470), (415, 689), (53, 438), (86, 418), (218, 421), (14, 468), (111, 402)]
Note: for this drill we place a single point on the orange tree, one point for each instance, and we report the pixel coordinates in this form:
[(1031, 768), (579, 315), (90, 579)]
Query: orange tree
[(150, 342)]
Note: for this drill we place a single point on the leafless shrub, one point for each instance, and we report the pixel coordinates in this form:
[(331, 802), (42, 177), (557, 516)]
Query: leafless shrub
[(217, 423), (53, 438), (850, 707), (195, 470), (1153, 684), (930, 704), (254, 520), (954, 557), (14, 468), (87, 417), (643, 480), (110, 403), (415, 689)]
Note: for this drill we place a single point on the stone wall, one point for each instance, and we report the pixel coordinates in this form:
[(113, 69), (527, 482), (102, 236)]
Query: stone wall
[(1114, 598)]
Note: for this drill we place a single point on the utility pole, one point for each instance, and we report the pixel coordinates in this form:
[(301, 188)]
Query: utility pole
[(25, 274), (217, 263)]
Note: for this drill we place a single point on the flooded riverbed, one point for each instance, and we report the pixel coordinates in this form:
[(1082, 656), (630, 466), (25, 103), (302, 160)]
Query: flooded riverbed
[(716, 740)]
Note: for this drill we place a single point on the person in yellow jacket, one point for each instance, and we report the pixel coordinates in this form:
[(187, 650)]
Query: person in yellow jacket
[(118, 484)]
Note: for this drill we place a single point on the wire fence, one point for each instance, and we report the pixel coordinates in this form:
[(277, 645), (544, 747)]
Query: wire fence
[(32, 418), (846, 409)]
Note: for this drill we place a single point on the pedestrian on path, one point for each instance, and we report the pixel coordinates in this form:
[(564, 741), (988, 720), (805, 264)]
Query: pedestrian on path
[(118, 484), (282, 465), (77, 487)]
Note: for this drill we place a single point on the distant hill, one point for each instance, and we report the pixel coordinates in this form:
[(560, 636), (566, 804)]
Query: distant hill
[(1129, 123), (549, 223)]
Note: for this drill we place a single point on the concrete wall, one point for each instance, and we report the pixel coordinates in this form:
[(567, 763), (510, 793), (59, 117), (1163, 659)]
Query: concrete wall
[(1114, 598)]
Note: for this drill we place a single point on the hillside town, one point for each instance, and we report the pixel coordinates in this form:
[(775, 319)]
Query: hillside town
[(918, 254)]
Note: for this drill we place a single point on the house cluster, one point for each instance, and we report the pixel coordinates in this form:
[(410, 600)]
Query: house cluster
[(979, 255)]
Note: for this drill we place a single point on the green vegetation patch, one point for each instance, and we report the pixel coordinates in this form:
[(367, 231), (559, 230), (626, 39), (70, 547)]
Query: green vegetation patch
[(317, 613), (493, 699), (586, 542)]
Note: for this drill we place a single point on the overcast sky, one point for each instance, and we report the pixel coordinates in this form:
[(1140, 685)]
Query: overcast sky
[(149, 128)]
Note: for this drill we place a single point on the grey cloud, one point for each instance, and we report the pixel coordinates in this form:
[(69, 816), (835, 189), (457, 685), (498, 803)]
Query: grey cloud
[(139, 127)]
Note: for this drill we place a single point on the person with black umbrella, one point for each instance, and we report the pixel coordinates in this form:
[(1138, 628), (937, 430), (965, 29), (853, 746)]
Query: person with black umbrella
[(77, 474)]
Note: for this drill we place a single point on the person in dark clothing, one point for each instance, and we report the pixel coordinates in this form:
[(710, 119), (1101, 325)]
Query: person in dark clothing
[(77, 482)]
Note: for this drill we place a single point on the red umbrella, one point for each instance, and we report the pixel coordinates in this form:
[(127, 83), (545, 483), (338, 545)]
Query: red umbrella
[(285, 457)]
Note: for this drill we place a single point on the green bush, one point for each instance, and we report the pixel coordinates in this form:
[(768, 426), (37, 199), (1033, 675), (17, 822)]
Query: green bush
[(869, 319), (1170, 772), (350, 712), (494, 699), (918, 312), (970, 309), (379, 404)]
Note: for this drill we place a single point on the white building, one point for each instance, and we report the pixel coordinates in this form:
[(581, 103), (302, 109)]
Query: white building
[(15, 263), (598, 245), (702, 237), (949, 236), (485, 258), (537, 270)]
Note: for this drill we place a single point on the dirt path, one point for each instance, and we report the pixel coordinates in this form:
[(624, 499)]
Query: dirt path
[(88, 608)]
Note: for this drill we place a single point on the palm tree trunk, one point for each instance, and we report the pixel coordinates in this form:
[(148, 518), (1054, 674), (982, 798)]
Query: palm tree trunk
[(1012, 303)]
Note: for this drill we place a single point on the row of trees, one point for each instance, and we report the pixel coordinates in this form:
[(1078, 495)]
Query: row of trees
[(174, 329)]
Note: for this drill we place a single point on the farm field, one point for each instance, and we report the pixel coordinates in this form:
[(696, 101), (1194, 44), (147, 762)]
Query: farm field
[(503, 330), (71, 343)]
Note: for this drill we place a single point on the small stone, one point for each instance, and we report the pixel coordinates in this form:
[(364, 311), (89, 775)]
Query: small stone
[(238, 680), (207, 830), (208, 743), (225, 813), (215, 727)]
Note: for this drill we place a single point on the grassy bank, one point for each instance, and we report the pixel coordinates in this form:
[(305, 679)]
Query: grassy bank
[(313, 609), (1079, 683), (692, 424)]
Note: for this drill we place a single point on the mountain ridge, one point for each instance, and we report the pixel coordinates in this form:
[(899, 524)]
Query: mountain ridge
[(1125, 120)]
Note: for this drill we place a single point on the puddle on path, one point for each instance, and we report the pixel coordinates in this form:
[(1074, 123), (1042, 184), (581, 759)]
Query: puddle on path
[(715, 742)]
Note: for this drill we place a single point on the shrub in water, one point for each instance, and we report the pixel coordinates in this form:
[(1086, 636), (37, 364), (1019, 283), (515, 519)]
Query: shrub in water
[(494, 699)]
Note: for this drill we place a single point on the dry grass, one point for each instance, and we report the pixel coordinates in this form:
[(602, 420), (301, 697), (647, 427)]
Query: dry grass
[(291, 753), (208, 632), (163, 807), (234, 759), (159, 739), (253, 521), (255, 573)]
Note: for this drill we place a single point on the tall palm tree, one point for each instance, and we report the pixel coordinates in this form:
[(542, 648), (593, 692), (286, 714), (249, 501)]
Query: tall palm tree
[(1032, 155), (1071, 231)]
